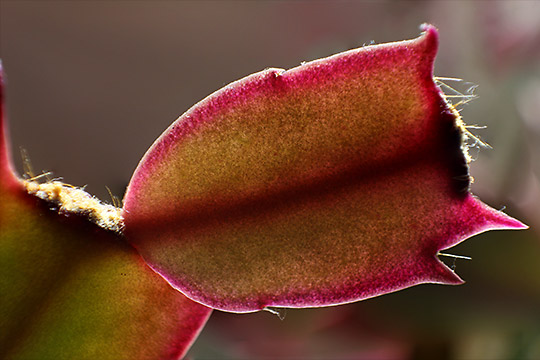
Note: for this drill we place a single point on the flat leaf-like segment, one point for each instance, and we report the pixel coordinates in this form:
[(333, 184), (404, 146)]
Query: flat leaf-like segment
[(328, 183), (71, 290)]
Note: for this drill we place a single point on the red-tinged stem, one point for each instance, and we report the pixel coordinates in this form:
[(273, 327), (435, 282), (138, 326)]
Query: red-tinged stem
[(7, 177)]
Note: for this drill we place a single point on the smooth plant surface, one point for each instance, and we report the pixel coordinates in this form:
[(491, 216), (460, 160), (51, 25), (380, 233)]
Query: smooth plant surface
[(332, 182), (72, 290)]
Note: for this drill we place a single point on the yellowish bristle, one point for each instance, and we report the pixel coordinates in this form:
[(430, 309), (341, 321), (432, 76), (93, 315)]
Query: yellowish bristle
[(73, 200)]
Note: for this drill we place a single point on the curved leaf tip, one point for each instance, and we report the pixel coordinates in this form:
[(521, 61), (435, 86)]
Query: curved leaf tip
[(331, 182)]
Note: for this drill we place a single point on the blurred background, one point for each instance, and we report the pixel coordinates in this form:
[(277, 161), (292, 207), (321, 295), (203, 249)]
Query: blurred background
[(92, 84)]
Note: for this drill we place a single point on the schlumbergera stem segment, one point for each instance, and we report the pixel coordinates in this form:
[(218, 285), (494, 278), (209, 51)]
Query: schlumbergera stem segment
[(328, 183), (332, 182), (70, 289)]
